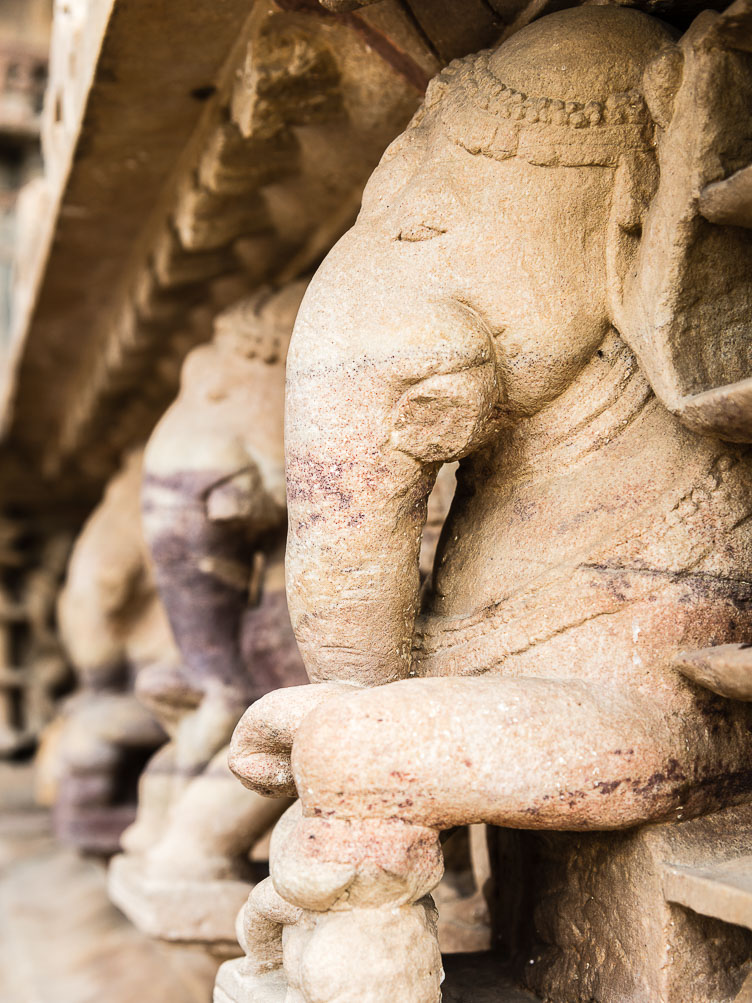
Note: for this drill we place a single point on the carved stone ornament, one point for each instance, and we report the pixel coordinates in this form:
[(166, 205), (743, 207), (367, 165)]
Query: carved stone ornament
[(532, 289)]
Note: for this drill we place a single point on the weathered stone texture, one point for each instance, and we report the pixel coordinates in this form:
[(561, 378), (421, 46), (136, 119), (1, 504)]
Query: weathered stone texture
[(113, 626), (520, 293)]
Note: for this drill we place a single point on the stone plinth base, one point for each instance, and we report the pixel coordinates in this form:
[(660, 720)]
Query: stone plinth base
[(178, 910), (232, 986), (470, 978), (658, 913)]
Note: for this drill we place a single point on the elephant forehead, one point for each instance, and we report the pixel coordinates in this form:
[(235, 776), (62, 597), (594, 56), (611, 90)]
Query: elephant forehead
[(583, 54), (566, 90)]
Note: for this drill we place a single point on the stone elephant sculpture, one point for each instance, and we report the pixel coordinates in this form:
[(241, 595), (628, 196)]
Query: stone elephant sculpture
[(530, 289), (215, 519), (112, 625)]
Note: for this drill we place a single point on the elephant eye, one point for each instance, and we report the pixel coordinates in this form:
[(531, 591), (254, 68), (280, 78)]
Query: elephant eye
[(397, 166)]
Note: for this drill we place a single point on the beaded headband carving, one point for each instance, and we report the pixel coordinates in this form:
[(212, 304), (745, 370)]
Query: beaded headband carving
[(547, 131)]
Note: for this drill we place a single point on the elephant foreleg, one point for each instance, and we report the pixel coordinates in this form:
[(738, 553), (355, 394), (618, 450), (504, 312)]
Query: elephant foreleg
[(213, 826), (526, 753)]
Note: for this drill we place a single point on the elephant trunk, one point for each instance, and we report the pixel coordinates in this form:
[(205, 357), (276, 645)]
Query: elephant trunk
[(383, 386), (356, 509), (202, 571)]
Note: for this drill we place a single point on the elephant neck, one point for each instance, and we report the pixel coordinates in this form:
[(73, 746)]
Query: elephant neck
[(600, 406), (594, 478)]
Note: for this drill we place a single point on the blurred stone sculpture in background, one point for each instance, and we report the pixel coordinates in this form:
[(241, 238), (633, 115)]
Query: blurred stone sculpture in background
[(532, 289), (112, 624), (215, 518)]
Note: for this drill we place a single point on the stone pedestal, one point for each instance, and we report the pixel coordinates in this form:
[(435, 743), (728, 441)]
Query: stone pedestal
[(233, 985), (659, 914), (181, 911)]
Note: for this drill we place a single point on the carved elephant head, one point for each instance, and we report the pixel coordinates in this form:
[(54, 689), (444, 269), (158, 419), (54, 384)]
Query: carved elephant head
[(542, 203)]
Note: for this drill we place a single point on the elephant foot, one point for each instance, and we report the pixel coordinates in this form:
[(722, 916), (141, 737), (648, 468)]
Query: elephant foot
[(345, 916), (352, 955), (14, 741), (148, 825), (159, 787), (367, 927), (365, 955), (258, 977), (183, 910)]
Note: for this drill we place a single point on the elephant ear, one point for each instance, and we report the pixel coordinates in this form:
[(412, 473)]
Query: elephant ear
[(681, 285)]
